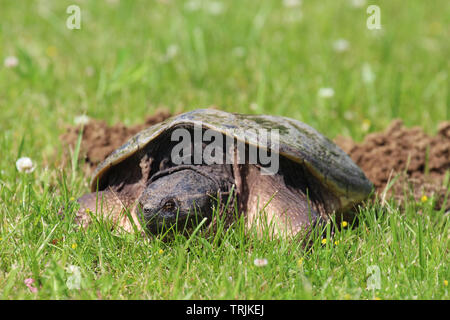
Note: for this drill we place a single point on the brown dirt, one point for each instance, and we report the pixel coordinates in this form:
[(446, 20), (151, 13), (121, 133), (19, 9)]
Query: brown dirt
[(412, 160), (99, 139)]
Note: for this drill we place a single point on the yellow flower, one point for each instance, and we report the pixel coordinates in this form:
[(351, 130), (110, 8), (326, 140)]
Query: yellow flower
[(300, 262), (74, 245), (72, 199), (344, 224), (87, 210), (366, 124), (336, 242), (446, 283), (51, 51), (377, 298), (324, 241), (161, 251), (424, 199), (435, 28)]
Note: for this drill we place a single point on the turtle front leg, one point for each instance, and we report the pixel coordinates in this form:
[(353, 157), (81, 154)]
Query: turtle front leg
[(108, 205), (114, 202)]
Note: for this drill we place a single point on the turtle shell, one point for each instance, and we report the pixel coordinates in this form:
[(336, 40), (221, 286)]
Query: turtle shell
[(297, 141)]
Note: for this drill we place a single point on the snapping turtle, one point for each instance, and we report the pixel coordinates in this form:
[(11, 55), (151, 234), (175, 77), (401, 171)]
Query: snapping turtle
[(179, 168)]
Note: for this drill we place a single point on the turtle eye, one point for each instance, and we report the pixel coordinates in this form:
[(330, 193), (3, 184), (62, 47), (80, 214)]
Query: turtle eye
[(169, 205)]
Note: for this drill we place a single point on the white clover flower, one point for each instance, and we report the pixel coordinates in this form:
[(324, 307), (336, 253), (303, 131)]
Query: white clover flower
[(112, 2), (292, 3), (254, 106), (81, 120), (367, 74), (357, 3), (341, 45), (260, 262), (73, 269), (215, 8), (377, 33), (192, 5), (238, 52), (349, 115), (25, 164), (326, 93), (74, 280), (171, 52), (11, 62), (44, 8)]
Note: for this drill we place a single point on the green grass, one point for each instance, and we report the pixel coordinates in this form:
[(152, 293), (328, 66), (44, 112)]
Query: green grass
[(254, 57)]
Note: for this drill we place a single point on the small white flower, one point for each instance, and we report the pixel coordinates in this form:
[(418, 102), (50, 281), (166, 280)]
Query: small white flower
[(192, 5), (113, 2), (238, 52), (254, 106), (172, 51), (341, 45), (326, 93), (215, 8), (367, 74), (292, 3), (349, 115), (260, 262), (377, 33), (11, 62), (74, 280), (357, 3), (25, 164), (81, 120), (73, 269), (43, 8)]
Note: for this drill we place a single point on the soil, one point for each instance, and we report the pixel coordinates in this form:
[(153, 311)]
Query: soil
[(397, 160), (405, 159), (99, 139)]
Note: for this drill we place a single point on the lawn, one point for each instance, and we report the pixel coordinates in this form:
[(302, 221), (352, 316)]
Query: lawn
[(315, 61)]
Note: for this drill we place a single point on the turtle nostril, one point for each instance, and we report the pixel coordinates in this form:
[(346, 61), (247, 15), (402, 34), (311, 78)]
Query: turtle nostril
[(146, 211)]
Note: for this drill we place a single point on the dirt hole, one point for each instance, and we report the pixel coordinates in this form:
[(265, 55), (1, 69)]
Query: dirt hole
[(418, 165)]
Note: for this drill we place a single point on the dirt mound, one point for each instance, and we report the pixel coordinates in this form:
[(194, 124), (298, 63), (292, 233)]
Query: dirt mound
[(99, 139), (409, 158)]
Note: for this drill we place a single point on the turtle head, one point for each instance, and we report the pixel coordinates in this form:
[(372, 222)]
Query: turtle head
[(175, 198)]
